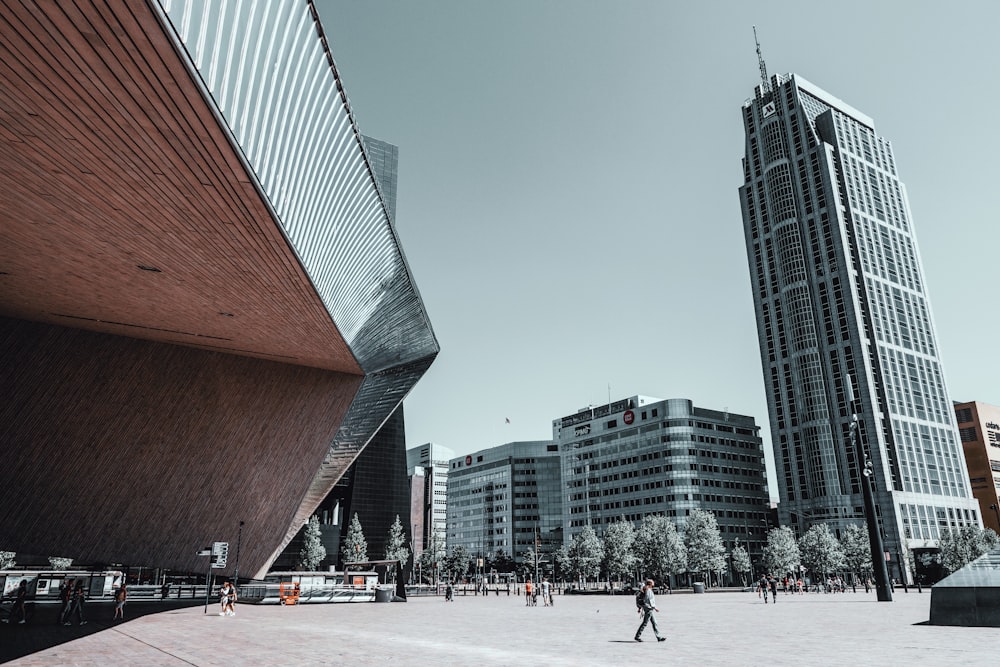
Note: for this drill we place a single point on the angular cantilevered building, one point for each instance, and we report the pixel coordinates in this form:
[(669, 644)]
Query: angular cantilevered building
[(205, 312)]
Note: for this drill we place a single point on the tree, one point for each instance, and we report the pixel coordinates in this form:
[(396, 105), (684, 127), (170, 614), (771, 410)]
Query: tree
[(527, 566), (781, 553), (857, 549), (7, 560), (585, 554), (501, 561), (659, 548), (961, 546), (456, 564), (741, 561), (619, 549), (560, 560), (312, 551), (395, 543), (820, 551), (355, 549), (59, 563), (432, 557), (705, 550)]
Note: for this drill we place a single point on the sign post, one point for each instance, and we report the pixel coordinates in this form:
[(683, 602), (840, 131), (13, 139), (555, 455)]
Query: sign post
[(219, 556)]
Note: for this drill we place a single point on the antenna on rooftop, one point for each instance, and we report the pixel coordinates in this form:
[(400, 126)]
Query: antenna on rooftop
[(764, 86)]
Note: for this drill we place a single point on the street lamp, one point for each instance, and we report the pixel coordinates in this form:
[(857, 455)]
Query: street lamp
[(883, 589), (236, 573)]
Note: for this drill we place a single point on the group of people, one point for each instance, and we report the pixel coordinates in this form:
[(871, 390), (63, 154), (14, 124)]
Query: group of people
[(767, 584), (531, 593), (72, 594), (227, 599)]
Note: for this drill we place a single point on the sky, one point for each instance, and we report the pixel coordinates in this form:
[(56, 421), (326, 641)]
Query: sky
[(568, 175)]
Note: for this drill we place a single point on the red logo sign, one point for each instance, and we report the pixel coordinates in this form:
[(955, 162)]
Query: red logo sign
[(468, 460), (628, 417)]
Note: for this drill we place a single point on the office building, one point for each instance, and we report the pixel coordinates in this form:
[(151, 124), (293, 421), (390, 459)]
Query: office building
[(842, 311), (427, 466), (506, 498), (644, 456), (979, 429)]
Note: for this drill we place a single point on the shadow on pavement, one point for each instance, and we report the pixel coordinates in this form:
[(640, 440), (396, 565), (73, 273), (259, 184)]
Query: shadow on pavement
[(41, 631)]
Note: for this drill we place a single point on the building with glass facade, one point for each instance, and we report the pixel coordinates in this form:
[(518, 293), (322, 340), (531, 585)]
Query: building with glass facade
[(508, 499), (428, 466), (644, 456), (842, 310), (202, 294)]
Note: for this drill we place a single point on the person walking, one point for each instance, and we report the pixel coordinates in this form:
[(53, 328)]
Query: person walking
[(762, 587), (774, 590), (66, 597), (120, 596), (79, 595), (20, 598), (546, 592), (224, 598), (647, 609), (527, 592), (230, 607)]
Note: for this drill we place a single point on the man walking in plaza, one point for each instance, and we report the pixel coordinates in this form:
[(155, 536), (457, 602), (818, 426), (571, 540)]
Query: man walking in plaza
[(647, 609)]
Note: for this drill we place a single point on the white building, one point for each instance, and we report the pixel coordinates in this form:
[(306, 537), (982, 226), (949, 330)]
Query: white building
[(427, 466)]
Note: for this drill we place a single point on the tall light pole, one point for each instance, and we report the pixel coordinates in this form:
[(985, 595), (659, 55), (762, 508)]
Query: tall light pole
[(882, 588), (236, 572)]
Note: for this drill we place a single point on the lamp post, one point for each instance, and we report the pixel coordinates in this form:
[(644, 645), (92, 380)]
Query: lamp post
[(883, 589), (236, 572)]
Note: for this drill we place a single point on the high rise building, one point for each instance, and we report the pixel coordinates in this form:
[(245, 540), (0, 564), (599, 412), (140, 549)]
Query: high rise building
[(427, 466), (842, 311), (506, 498), (642, 456), (979, 429)]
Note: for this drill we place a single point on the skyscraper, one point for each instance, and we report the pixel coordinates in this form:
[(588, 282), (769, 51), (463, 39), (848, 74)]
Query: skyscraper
[(840, 300)]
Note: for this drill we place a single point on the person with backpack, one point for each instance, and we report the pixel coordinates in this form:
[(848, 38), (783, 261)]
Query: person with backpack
[(645, 603)]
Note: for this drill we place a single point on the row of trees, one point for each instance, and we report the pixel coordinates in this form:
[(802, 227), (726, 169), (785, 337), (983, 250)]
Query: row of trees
[(658, 550), (355, 546)]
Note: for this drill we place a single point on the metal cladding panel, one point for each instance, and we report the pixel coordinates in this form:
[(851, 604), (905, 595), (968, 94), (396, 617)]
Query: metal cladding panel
[(274, 85)]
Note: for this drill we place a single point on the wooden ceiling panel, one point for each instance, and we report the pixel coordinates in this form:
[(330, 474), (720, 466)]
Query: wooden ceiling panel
[(123, 206)]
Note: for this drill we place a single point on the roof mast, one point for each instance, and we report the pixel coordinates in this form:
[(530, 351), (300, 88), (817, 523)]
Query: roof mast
[(764, 85)]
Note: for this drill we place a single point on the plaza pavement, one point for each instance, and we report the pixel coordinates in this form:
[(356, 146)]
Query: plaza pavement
[(721, 628)]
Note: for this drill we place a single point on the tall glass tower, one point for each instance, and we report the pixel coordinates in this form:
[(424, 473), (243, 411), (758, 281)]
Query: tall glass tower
[(840, 298)]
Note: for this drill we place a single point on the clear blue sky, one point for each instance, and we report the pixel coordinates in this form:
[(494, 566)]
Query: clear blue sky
[(568, 177)]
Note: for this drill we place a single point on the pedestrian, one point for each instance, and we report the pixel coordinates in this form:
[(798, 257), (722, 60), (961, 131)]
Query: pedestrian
[(120, 596), (66, 597), (546, 591), (231, 600), (762, 586), (164, 591), (648, 606), (79, 596), (449, 593), (774, 590), (20, 598), (527, 592), (224, 599)]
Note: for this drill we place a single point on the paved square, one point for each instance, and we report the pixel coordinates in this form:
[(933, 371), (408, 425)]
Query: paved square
[(711, 629)]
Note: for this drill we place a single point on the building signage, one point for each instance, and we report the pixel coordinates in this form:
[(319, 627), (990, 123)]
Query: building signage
[(628, 417), (769, 109), (582, 430), (468, 460)]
